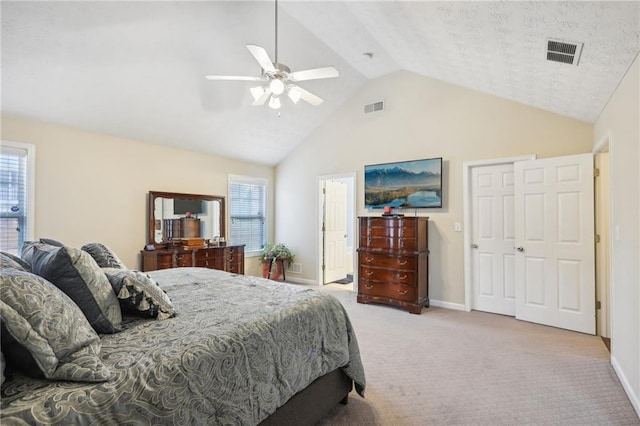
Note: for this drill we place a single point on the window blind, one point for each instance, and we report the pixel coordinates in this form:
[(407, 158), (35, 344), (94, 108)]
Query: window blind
[(247, 214), (13, 198)]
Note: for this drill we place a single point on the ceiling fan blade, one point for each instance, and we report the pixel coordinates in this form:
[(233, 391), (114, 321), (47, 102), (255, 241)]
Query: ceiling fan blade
[(233, 77), (262, 57), (262, 99), (314, 74), (306, 95)]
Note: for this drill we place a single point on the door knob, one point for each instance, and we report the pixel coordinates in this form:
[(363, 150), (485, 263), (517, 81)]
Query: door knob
[(474, 246), (520, 249)]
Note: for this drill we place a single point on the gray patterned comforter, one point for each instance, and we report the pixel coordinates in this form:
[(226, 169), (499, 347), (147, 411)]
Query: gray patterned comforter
[(238, 349)]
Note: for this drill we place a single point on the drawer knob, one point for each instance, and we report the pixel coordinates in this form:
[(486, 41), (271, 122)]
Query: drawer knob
[(402, 292), (369, 273), (403, 262), (368, 259), (402, 277), (368, 286)]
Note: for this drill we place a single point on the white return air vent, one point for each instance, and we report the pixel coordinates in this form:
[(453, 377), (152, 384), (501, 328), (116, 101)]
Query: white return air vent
[(376, 106), (566, 52)]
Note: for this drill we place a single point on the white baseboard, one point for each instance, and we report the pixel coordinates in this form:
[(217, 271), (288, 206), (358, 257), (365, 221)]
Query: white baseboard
[(302, 281), (635, 401), (448, 305)]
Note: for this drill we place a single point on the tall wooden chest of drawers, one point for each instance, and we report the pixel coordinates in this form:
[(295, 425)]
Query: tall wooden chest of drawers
[(393, 261)]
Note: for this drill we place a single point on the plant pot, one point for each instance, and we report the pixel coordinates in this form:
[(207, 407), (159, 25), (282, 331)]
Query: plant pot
[(274, 270)]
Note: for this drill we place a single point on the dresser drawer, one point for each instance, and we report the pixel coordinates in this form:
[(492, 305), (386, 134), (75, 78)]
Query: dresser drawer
[(184, 259), (389, 231), (204, 254), (388, 243), (389, 275), (385, 261), (164, 261), (209, 263), (390, 290), (235, 268)]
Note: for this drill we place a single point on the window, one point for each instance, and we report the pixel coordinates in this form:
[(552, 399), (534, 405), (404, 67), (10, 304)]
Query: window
[(16, 195), (247, 202)]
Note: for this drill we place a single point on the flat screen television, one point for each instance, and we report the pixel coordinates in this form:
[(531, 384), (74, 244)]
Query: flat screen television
[(181, 206), (411, 184)]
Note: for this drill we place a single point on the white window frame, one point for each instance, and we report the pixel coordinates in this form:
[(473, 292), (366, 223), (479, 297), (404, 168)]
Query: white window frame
[(31, 184), (255, 181)]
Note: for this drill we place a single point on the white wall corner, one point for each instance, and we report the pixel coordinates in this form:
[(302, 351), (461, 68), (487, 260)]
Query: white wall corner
[(633, 398)]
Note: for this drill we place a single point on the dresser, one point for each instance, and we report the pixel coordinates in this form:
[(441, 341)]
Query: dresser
[(393, 261), (228, 258)]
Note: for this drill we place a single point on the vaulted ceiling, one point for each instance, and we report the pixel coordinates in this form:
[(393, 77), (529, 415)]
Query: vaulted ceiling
[(136, 69)]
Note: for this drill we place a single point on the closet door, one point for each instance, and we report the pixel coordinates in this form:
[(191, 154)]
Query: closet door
[(554, 262)]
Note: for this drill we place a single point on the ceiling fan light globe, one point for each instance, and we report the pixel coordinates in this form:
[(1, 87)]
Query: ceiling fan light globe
[(294, 95), (257, 92), (276, 86), (275, 103)]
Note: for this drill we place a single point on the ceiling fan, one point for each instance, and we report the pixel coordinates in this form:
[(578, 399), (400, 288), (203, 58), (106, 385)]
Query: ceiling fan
[(278, 78)]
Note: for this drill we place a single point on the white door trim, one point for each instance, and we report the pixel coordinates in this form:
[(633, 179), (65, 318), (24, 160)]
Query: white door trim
[(605, 144), (467, 219)]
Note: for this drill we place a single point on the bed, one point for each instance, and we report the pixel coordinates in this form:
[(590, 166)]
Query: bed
[(241, 350)]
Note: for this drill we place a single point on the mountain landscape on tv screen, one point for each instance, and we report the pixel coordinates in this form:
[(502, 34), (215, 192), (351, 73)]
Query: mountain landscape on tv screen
[(401, 188)]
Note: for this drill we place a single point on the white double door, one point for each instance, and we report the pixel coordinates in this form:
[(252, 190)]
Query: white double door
[(533, 241)]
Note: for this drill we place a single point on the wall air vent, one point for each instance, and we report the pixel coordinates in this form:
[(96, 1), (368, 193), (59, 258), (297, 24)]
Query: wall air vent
[(376, 106), (566, 52)]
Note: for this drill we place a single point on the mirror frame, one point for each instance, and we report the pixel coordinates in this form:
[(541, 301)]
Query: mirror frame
[(159, 194)]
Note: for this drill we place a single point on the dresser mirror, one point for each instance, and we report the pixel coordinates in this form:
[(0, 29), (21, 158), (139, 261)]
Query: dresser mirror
[(174, 216)]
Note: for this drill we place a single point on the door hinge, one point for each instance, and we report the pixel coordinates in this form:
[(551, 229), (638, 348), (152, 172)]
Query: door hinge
[(598, 304), (596, 172), (324, 190), (597, 238)]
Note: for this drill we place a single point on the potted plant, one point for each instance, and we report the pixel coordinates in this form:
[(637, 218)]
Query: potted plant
[(274, 258)]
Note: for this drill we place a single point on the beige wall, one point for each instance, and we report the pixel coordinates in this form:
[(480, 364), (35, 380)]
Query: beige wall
[(620, 123), (423, 118), (93, 187)]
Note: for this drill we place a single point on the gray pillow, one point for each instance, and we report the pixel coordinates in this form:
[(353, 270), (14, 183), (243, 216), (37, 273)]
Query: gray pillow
[(51, 242), (76, 273), (45, 328), (28, 248), (104, 257), (7, 260), (140, 294)]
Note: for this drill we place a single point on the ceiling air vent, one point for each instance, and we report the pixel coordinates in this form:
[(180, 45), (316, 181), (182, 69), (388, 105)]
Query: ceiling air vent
[(376, 106), (566, 52)]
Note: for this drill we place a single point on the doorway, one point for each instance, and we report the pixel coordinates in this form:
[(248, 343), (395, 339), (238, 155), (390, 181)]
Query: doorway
[(336, 229)]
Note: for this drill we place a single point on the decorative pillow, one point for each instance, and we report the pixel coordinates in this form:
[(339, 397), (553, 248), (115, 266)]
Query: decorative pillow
[(51, 242), (76, 273), (46, 332), (140, 294), (9, 261), (104, 257), (28, 248)]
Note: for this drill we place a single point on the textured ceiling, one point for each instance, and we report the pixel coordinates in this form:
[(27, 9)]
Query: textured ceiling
[(136, 69)]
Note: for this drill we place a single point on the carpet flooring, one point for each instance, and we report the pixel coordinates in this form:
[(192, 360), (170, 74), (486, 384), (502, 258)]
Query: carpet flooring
[(447, 367)]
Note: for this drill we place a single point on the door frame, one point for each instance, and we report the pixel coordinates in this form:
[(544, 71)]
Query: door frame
[(351, 202), (468, 219), (605, 144)]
